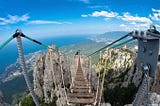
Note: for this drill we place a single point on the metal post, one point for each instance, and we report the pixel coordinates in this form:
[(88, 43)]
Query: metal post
[(23, 65)]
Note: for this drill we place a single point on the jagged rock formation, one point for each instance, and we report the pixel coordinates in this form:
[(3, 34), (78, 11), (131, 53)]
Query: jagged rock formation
[(122, 73), (156, 84), (120, 64), (46, 79), (122, 76), (155, 89)]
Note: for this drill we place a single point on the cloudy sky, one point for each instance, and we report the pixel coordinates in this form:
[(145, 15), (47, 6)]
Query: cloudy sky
[(41, 18)]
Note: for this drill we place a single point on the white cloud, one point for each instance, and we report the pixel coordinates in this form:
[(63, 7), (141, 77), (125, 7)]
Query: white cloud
[(142, 25), (154, 10), (2, 23), (133, 19), (156, 15), (46, 22), (104, 14), (12, 19), (137, 22), (157, 26), (133, 23), (84, 15), (122, 25), (66, 22)]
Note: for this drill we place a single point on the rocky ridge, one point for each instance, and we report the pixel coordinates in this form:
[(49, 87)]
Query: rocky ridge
[(48, 83), (121, 73), (121, 77), (15, 70)]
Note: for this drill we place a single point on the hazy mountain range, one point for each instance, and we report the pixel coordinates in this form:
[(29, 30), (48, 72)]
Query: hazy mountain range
[(108, 37)]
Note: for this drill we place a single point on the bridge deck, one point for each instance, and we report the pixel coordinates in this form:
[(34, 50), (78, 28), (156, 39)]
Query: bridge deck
[(80, 90)]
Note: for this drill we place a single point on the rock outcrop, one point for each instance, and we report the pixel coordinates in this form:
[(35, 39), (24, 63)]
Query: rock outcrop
[(120, 65), (48, 77), (48, 83), (121, 78), (121, 75)]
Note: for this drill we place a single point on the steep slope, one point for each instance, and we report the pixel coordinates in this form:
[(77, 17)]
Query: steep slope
[(2, 103), (108, 36), (122, 80), (48, 82)]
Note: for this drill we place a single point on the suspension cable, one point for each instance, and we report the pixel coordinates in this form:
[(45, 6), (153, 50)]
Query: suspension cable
[(110, 44), (97, 87), (23, 65), (104, 73), (6, 42), (35, 41), (121, 43), (63, 81), (51, 54)]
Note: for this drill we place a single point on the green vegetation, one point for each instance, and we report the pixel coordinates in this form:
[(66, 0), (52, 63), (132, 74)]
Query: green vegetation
[(28, 101), (84, 47), (15, 89), (119, 96)]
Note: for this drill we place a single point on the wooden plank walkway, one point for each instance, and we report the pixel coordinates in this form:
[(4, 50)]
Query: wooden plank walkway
[(80, 90)]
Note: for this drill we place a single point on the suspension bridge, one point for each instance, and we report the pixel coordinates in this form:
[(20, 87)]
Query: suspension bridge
[(80, 90)]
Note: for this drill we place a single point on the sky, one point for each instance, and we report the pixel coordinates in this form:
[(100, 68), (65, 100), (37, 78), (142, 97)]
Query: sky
[(42, 18)]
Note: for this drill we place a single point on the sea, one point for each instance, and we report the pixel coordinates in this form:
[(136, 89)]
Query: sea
[(9, 54)]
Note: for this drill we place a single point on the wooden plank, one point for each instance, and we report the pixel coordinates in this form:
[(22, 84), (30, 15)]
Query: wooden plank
[(81, 101), (81, 90), (81, 87), (80, 84), (79, 81), (80, 95)]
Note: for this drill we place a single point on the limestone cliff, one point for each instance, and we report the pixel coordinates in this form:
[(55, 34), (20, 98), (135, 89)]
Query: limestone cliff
[(44, 77), (120, 72), (48, 83), (122, 78), (120, 66)]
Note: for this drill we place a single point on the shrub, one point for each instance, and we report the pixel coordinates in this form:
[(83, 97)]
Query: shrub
[(119, 96), (27, 101)]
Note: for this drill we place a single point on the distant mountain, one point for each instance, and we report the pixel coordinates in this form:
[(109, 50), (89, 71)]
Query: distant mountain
[(108, 36), (85, 48)]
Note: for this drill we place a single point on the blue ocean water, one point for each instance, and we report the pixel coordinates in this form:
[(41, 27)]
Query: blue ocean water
[(9, 54)]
